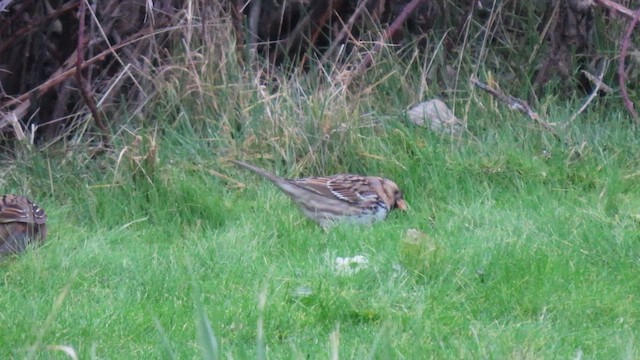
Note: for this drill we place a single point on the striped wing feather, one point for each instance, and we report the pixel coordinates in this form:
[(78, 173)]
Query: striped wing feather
[(16, 208)]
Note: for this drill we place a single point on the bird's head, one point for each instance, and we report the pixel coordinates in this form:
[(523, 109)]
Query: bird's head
[(394, 195)]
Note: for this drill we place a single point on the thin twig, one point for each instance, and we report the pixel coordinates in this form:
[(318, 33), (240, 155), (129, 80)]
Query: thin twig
[(609, 4), (296, 36), (362, 5), (594, 79), (236, 18), (254, 23), (82, 83), (62, 75), (319, 24), (516, 104), (622, 77), (397, 23), (594, 93)]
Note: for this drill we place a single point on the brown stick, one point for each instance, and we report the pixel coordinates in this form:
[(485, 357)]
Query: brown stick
[(82, 83), (362, 5), (609, 4), (62, 75), (319, 24), (622, 78), (516, 104), (254, 23), (397, 23), (599, 84), (236, 17), (296, 36)]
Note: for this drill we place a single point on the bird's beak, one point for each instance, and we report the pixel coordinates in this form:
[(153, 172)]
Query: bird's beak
[(402, 205)]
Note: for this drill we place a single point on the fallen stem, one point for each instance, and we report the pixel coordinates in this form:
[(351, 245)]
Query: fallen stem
[(516, 104)]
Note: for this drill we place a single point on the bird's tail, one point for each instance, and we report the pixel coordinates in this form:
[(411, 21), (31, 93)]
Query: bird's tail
[(277, 180)]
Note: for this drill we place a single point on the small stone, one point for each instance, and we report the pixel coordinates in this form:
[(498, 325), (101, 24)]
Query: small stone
[(437, 116)]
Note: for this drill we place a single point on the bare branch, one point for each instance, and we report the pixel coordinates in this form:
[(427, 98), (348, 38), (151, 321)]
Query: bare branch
[(516, 104), (408, 10), (609, 4), (599, 84), (85, 91), (362, 5)]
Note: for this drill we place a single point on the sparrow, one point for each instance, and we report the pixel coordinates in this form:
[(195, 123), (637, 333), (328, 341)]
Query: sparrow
[(340, 198), (21, 223)]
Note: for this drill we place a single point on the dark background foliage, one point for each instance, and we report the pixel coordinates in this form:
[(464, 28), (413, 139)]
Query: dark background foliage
[(531, 48)]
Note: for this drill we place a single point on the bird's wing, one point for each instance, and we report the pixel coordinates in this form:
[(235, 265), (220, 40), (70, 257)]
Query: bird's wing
[(352, 189), (15, 208)]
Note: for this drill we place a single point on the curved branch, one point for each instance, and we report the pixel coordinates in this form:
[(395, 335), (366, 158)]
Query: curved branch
[(620, 9)]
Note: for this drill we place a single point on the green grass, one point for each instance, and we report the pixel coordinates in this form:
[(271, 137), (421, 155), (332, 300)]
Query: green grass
[(536, 257), (530, 246)]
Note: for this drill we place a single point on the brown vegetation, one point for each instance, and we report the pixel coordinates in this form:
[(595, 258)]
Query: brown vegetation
[(62, 63)]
